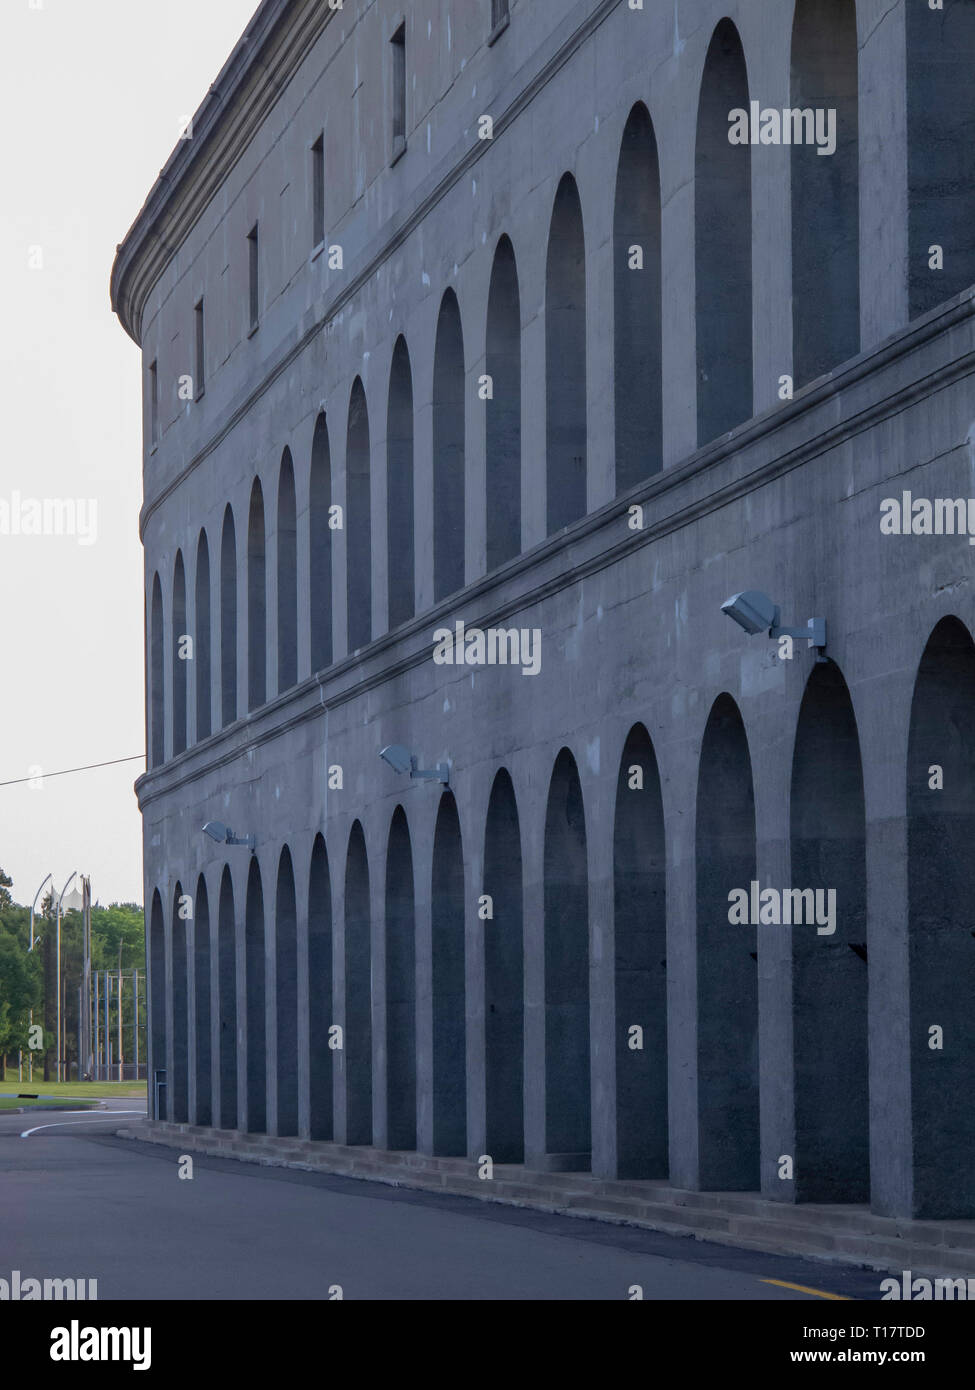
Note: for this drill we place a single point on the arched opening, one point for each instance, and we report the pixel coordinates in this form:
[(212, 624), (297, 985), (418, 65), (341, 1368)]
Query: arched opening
[(254, 948), (179, 1085), (637, 289), (829, 959), (256, 601), (201, 988), (568, 1126), (399, 487), (157, 1001), (723, 242), (941, 878), (448, 451), (727, 959), (358, 992), (825, 190), (156, 676), (180, 653), (287, 577), (504, 977), (940, 169), (320, 548), (320, 1015), (227, 1001), (503, 410), (400, 987), (358, 520), (228, 620), (639, 897), (565, 361), (204, 726), (449, 1010), (286, 994)]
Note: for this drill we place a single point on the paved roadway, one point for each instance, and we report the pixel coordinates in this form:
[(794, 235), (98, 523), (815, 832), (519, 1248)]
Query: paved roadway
[(78, 1202)]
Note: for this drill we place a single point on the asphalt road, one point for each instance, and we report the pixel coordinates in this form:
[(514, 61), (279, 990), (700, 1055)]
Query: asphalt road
[(78, 1202)]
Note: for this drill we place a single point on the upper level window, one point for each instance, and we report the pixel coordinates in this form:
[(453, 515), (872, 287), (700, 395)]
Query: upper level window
[(253, 271), (154, 404), (200, 371), (398, 46), (318, 191), (499, 17)]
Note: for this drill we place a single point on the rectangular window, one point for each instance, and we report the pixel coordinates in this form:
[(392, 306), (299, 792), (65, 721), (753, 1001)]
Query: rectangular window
[(255, 288), (318, 191), (200, 352), (499, 15), (398, 44), (154, 404)]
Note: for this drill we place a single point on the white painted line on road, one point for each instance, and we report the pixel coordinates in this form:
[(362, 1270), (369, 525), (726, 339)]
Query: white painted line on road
[(102, 1115)]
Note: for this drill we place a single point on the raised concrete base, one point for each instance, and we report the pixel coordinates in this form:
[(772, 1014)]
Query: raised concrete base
[(842, 1234)]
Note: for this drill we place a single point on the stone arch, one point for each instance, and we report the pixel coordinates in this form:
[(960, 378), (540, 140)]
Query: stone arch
[(640, 908), (723, 242), (727, 959), (637, 297), (228, 619), (157, 999), (256, 600), (449, 997), (566, 415), (178, 1087), (825, 191), (179, 662), (358, 520), (400, 987), (320, 547), (204, 641), (254, 985), (504, 970), (157, 718), (287, 576), (358, 992), (503, 409), (320, 1015), (568, 1106), (399, 487), (829, 969), (940, 169), (941, 889), (286, 994), (227, 1000), (448, 451), (201, 990)]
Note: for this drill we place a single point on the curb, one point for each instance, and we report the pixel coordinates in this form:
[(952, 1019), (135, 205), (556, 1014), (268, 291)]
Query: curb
[(837, 1244)]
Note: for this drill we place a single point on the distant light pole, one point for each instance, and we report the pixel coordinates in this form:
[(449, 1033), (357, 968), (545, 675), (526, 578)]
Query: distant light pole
[(33, 906), (59, 969)]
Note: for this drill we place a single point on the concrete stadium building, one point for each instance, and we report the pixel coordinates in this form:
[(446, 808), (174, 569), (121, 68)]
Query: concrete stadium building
[(467, 311)]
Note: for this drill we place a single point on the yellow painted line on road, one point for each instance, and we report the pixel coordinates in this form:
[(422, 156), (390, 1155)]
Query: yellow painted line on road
[(816, 1293)]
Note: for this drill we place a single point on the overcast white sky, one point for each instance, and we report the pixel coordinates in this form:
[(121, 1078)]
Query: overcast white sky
[(92, 95)]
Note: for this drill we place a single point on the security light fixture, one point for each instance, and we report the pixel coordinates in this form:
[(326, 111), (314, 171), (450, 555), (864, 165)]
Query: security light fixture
[(756, 612), (225, 836), (400, 759)]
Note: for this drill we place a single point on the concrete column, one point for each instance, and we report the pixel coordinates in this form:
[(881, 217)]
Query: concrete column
[(532, 811), (422, 829), (678, 775), (377, 844), (599, 794), (882, 35)]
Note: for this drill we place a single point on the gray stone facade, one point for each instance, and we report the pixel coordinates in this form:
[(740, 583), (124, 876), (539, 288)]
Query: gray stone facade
[(524, 425)]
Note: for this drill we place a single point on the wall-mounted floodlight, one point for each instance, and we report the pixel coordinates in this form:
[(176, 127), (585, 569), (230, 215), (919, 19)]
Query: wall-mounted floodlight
[(400, 759), (756, 612), (225, 836)]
